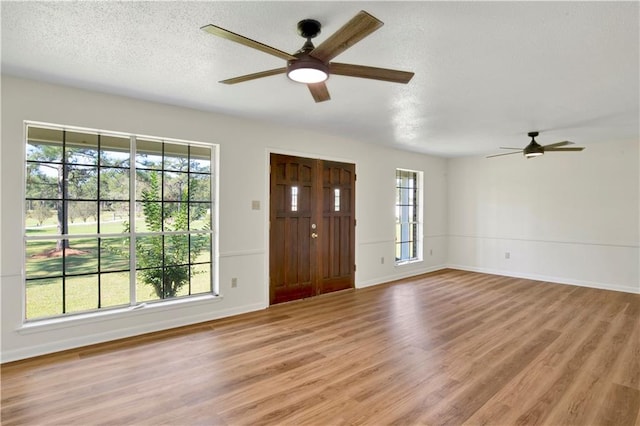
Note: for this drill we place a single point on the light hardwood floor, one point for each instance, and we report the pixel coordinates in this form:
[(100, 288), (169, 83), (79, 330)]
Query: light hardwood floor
[(446, 348)]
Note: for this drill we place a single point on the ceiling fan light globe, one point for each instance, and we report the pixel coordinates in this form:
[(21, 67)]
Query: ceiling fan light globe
[(307, 70), (307, 75), (533, 154)]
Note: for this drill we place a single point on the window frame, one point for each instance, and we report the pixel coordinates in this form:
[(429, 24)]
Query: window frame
[(135, 301), (417, 203)]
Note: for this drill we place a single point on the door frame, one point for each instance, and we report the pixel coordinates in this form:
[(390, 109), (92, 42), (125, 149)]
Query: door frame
[(267, 205)]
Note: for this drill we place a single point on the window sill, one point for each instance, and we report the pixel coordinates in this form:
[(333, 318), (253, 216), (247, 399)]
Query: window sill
[(408, 262), (38, 326)]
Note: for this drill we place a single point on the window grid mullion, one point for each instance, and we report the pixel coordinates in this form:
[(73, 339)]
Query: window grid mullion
[(98, 220), (132, 221), (188, 214), (162, 176), (64, 226)]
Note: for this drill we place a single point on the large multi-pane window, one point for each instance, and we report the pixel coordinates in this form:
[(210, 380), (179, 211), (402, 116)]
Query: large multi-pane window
[(408, 216), (113, 220)]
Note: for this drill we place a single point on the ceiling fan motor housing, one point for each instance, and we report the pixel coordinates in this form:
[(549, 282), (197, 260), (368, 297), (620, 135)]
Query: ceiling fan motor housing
[(534, 149), (309, 28)]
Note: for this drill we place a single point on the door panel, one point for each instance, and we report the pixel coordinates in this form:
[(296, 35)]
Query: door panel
[(312, 234), (338, 227), (290, 271)]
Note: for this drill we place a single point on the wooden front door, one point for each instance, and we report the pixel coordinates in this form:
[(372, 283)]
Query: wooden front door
[(312, 227)]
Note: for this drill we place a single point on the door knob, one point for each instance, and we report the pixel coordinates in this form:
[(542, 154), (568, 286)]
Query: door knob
[(314, 235)]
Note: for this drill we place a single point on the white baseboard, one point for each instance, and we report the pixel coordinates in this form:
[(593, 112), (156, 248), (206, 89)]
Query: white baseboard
[(395, 277), (76, 342), (554, 280)]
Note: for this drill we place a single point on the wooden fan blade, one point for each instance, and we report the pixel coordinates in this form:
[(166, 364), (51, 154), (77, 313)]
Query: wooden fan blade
[(253, 76), (221, 32), (557, 144), (349, 34), (504, 147), (508, 153), (319, 91), (384, 74), (563, 149)]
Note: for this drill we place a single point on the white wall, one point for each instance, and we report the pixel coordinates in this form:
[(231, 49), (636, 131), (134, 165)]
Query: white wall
[(568, 218), (565, 217), (244, 149)]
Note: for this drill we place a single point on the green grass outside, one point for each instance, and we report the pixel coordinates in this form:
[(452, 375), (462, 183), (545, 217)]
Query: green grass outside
[(45, 298)]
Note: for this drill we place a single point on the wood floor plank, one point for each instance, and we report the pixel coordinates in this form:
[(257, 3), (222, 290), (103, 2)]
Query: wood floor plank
[(542, 406), (620, 406), (487, 383), (452, 347), (573, 406), (628, 369)]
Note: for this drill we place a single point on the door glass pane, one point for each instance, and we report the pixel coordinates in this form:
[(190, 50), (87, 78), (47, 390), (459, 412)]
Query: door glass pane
[(294, 198)]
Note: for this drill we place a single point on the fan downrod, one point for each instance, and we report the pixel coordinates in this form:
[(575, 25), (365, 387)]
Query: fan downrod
[(309, 28)]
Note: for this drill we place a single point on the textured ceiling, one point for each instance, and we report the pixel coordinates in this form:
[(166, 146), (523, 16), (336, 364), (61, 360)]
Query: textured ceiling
[(486, 73)]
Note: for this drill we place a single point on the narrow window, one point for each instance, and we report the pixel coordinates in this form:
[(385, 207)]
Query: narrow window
[(113, 220), (294, 198), (336, 199), (408, 216)]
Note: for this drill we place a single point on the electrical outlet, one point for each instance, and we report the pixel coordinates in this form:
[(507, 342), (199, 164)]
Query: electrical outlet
[(430, 252), (234, 282), (507, 255), (382, 260)]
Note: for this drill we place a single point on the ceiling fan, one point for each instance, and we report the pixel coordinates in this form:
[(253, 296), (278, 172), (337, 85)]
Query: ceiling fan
[(311, 65), (534, 149)]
